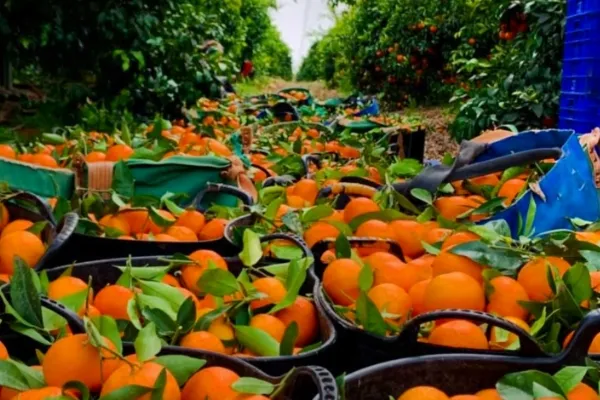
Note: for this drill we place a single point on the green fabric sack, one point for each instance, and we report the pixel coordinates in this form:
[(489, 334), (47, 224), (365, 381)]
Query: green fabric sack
[(181, 174), (44, 182)]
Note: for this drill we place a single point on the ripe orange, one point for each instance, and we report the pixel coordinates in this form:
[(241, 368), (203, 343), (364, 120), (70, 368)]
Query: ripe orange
[(6, 151), (67, 286), (459, 333), (340, 281), (204, 341), (465, 397), (44, 160), (73, 358), (191, 273), (192, 219), (212, 383), (452, 207), (446, 262), (459, 238), (533, 276), (359, 206), (119, 152), (112, 300), (144, 375), (44, 393), (454, 290), (4, 216), (594, 347), (510, 189), (417, 297), (304, 313), (213, 230), (23, 244), (218, 148), (374, 228), (296, 201), (15, 226), (138, 220), (496, 343), (307, 189), (269, 324), (423, 393), (116, 222), (95, 156), (272, 287), (489, 394), (155, 228), (319, 231), (391, 299), (505, 297), (182, 233), (489, 180), (408, 235), (436, 235)]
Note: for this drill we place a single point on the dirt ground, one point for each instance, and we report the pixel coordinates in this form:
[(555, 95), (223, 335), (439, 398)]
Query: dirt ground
[(437, 143)]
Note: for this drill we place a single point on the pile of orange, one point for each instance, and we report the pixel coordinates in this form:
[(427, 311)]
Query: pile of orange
[(294, 95), (17, 241), (104, 371), (43, 156), (137, 224)]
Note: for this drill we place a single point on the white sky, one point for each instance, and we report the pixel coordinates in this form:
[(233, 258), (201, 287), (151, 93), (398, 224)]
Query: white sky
[(299, 21)]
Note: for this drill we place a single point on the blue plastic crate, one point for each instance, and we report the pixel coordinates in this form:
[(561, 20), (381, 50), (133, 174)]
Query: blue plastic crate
[(579, 126), (580, 48), (582, 67), (581, 85), (579, 102), (589, 21), (582, 6)]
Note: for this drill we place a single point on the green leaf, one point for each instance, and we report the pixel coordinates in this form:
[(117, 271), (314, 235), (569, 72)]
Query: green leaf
[(159, 386), (422, 195), (181, 367), (148, 301), (133, 315), (257, 340), (342, 247), (365, 278), (173, 208), (292, 221), (522, 385), (127, 393), (147, 344), (578, 281), (145, 273), (158, 219), (205, 321), (108, 328), (316, 213), (569, 377), (167, 293), (123, 182), (295, 279), (218, 282), (164, 324), (368, 315), (504, 259), (252, 251), (531, 211), (430, 249), (19, 377), (186, 315), (290, 252), (289, 339), (24, 295), (342, 227), (38, 227), (252, 386)]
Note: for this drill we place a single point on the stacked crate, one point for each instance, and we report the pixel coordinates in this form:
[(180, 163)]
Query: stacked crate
[(580, 92)]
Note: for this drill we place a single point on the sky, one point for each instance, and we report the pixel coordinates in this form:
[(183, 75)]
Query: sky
[(300, 23)]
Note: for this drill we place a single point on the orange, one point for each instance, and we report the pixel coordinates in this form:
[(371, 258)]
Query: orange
[(304, 313), (391, 299), (170, 280), (212, 383), (203, 341), (269, 324), (452, 207), (119, 152), (191, 273), (162, 237), (436, 235), (217, 147), (446, 262), (494, 341), (408, 236), (319, 231), (138, 220), (465, 397), (454, 290), (6, 151), (591, 237), (359, 206), (489, 180), (4, 216), (95, 156), (374, 228), (272, 287), (213, 230), (41, 394), (144, 375), (396, 272), (340, 281), (505, 297), (15, 226), (182, 233), (594, 347), (459, 238), (67, 286), (582, 392), (510, 189), (489, 394), (116, 222), (459, 333), (73, 358), (112, 300), (308, 189), (533, 276), (23, 244), (45, 160), (296, 201), (423, 393), (192, 219), (417, 297), (155, 228), (423, 265)]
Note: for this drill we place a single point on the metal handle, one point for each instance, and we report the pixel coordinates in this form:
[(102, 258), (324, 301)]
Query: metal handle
[(63, 233), (222, 188), (322, 379), (528, 346)]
